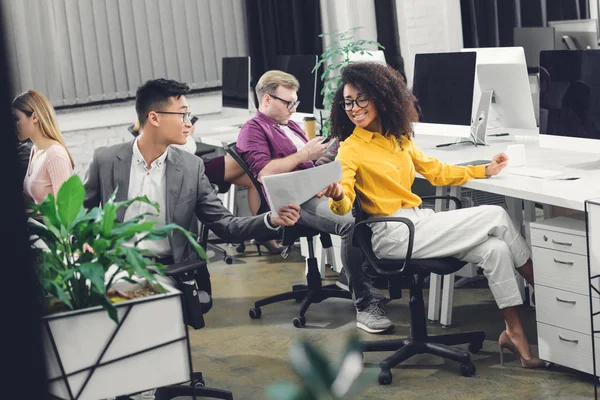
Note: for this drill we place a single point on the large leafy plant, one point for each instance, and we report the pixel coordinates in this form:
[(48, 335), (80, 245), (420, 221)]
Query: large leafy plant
[(322, 380), (87, 251), (334, 58)]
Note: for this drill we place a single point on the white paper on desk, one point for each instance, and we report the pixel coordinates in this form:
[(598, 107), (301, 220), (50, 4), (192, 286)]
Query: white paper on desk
[(299, 186)]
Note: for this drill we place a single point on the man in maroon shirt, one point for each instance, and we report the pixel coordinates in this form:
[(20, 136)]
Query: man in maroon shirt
[(271, 143)]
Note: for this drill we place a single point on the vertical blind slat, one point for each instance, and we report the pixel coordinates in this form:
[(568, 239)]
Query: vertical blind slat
[(117, 52), (81, 51)]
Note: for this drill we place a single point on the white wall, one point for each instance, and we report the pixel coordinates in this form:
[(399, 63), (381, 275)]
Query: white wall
[(346, 14), (427, 26)]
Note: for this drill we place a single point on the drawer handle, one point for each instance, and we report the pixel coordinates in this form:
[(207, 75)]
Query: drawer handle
[(566, 301), (574, 341), (563, 262), (562, 243)]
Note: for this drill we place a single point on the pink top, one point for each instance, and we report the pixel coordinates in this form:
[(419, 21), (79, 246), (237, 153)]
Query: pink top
[(47, 171)]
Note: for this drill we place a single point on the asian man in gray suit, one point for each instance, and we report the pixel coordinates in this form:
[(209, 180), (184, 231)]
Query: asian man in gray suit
[(171, 177)]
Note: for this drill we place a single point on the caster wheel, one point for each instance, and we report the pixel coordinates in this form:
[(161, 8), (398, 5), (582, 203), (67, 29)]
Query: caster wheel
[(228, 260), (241, 248), (385, 377), (198, 384), (255, 313), (475, 347), (467, 369), (299, 322)]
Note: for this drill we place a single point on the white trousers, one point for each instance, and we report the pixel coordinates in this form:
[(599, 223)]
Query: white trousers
[(483, 235)]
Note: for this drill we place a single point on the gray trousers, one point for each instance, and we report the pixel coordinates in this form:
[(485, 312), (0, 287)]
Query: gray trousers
[(316, 214)]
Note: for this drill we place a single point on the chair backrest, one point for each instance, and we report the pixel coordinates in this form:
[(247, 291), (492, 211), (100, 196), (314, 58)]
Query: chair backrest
[(231, 150)]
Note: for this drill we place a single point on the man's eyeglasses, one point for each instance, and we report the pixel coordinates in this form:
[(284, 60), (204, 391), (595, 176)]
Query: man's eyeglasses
[(348, 104), (290, 104), (185, 116)]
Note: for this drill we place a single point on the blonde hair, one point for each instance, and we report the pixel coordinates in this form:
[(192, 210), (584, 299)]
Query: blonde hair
[(33, 101), (271, 80), (136, 126)]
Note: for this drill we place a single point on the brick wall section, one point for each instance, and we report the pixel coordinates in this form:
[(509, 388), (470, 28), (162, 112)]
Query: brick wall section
[(82, 143)]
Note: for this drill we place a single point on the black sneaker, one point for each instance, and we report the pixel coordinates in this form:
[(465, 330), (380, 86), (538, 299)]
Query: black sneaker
[(342, 281)]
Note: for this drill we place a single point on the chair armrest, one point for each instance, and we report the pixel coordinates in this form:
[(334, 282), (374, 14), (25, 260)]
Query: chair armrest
[(360, 229), (204, 152), (456, 200)]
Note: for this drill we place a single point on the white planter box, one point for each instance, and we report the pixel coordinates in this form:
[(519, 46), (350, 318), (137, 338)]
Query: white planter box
[(147, 349)]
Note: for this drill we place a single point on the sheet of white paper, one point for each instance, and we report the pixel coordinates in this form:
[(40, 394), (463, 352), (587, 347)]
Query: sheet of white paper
[(299, 186)]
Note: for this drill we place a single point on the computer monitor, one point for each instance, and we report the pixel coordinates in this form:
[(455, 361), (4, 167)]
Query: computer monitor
[(579, 34), (443, 85), (301, 67), (235, 83), (505, 73), (533, 40), (570, 100)]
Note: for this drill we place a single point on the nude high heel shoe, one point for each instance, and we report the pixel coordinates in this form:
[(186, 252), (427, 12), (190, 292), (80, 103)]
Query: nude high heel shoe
[(504, 342)]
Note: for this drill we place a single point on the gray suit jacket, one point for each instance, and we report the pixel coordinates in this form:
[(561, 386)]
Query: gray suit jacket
[(186, 199)]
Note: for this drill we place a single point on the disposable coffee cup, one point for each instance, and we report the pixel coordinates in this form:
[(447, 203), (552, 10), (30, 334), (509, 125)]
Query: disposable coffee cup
[(310, 127)]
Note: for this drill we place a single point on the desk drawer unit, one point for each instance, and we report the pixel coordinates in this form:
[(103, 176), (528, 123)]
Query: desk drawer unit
[(560, 270), (564, 309), (565, 347), (559, 253), (558, 241)]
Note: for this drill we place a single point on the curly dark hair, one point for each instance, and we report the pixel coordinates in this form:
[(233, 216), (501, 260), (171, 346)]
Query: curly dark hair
[(155, 94), (386, 88)]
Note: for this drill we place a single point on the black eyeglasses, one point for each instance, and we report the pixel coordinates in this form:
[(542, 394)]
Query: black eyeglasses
[(290, 104), (185, 116), (348, 104)]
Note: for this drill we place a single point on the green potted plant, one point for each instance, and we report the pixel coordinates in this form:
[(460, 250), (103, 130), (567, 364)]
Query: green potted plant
[(321, 379), (108, 315), (334, 58)]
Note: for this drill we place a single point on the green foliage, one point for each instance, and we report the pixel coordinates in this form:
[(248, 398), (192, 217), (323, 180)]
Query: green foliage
[(335, 57), (321, 380), (82, 245)]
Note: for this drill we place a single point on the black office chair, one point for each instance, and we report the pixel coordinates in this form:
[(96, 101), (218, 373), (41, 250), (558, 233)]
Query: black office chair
[(419, 342), (185, 275), (313, 291)]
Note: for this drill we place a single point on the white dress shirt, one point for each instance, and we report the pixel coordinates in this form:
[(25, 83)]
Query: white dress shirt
[(296, 141), (149, 181)]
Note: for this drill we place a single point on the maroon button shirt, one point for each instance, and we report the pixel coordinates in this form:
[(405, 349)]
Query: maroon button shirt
[(262, 140)]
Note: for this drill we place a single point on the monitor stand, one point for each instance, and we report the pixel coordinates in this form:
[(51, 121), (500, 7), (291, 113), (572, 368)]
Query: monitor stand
[(479, 126)]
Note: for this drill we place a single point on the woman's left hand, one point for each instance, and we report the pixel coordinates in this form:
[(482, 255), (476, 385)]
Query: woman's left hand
[(499, 161), (334, 191)]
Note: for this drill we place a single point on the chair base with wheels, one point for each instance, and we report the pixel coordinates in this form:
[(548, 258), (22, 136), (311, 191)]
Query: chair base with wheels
[(185, 275), (196, 387), (414, 270), (419, 342), (313, 291)]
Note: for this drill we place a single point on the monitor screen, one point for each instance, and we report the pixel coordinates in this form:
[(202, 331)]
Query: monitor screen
[(301, 67), (570, 93), (235, 82), (443, 85)]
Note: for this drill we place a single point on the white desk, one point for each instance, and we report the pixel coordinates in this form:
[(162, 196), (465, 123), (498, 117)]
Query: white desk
[(567, 194)]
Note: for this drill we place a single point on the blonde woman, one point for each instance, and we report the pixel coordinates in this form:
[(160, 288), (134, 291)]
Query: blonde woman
[(50, 163)]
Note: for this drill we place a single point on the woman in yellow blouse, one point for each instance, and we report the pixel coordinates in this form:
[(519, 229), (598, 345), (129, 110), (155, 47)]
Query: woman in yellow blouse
[(372, 115)]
